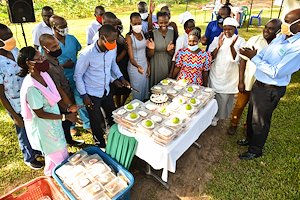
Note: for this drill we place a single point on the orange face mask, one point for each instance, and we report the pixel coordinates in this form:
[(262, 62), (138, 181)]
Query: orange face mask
[(9, 44), (110, 46)]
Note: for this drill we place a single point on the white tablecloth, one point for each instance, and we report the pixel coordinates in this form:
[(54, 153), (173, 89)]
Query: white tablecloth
[(160, 157)]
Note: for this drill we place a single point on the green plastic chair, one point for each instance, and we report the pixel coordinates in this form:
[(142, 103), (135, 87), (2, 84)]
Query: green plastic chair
[(246, 13), (120, 147)]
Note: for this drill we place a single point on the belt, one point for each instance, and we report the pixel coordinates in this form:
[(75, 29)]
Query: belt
[(267, 85)]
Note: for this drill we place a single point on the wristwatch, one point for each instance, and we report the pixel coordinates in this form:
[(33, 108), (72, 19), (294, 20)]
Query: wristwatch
[(63, 117)]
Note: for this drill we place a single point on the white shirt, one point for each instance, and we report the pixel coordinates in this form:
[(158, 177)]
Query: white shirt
[(91, 31), (181, 42), (259, 43), (40, 29), (224, 72)]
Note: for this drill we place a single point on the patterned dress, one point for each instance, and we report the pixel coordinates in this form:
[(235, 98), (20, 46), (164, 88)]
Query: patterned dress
[(192, 65)]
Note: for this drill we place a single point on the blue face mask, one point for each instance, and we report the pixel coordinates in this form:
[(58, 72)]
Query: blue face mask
[(193, 48)]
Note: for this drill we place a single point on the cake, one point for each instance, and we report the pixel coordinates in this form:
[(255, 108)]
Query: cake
[(159, 98)]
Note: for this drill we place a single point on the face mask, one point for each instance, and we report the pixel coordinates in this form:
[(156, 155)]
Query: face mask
[(187, 31), (9, 44), (63, 32), (286, 28), (42, 67), (137, 28), (144, 16), (55, 53), (110, 46), (99, 19), (220, 19), (193, 48)]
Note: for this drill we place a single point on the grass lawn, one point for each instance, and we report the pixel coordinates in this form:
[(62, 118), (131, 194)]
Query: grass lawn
[(276, 175)]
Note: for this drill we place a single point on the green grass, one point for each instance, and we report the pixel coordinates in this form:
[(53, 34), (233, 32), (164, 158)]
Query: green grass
[(274, 176)]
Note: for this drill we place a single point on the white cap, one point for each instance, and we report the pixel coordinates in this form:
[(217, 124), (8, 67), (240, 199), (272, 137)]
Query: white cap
[(185, 16), (231, 22)]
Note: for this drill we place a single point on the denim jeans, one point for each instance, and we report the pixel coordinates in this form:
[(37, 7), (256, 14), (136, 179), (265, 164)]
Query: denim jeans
[(28, 153)]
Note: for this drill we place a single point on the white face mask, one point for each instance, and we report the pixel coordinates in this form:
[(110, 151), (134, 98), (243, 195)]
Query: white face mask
[(286, 28), (193, 48), (63, 32), (144, 15), (137, 28)]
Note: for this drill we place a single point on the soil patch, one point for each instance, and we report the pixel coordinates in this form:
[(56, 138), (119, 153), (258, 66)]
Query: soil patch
[(193, 170)]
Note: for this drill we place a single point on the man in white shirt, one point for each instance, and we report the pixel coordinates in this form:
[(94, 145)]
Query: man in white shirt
[(247, 71), (43, 27), (95, 25)]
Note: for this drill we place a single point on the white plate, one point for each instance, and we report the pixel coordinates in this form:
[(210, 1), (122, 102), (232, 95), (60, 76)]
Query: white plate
[(156, 118), (165, 82), (148, 127), (151, 107), (142, 113), (130, 119)]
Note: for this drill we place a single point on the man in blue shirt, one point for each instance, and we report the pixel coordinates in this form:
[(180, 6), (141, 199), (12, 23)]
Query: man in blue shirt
[(215, 28), (274, 66), (96, 68), (10, 85)]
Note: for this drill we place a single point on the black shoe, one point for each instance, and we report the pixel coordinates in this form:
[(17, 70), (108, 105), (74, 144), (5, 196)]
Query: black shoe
[(243, 142), (36, 165), (249, 156), (232, 130), (76, 143)]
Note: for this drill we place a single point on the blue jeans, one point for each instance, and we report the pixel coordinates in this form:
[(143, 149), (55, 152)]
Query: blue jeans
[(28, 153), (83, 114)]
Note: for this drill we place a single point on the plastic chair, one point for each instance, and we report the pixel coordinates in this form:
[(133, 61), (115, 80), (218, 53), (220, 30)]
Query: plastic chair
[(120, 147), (245, 15), (257, 17)]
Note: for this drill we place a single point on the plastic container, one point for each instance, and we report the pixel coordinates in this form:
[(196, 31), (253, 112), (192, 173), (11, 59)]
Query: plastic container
[(77, 157), (124, 194), (115, 186), (40, 188), (92, 192), (91, 159)]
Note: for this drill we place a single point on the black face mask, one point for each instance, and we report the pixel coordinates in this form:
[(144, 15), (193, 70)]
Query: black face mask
[(220, 19), (55, 53)]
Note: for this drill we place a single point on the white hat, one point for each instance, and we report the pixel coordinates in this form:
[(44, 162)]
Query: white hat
[(231, 22), (185, 16)]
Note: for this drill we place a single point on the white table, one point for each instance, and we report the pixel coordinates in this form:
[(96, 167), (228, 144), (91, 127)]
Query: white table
[(160, 157)]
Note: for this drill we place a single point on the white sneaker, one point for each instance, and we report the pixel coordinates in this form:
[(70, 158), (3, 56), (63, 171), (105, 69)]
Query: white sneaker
[(214, 121)]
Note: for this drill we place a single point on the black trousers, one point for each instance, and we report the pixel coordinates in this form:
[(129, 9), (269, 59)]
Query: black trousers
[(263, 101), (97, 119)]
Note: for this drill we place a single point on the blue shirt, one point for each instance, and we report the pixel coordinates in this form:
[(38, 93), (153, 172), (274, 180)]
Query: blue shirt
[(69, 51), (277, 62), (94, 70), (10, 80), (213, 30), (145, 23)]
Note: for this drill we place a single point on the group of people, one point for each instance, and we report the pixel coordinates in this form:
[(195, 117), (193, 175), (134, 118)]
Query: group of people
[(45, 86)]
